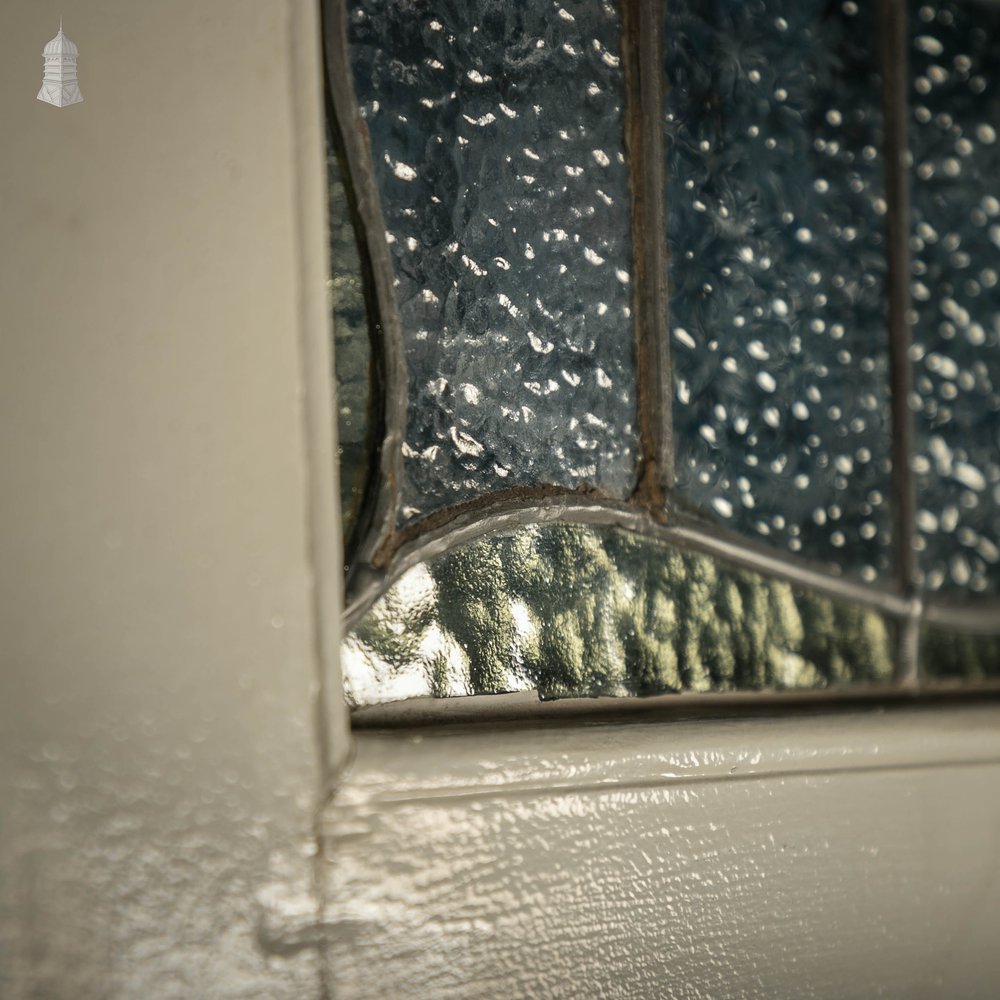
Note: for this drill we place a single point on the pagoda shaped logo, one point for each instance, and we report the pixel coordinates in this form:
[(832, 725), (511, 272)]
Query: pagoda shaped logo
[(59, 85)]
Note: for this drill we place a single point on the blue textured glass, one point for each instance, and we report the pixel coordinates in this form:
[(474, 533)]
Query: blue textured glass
[(351, 348), (497, 140), (777, 313), (955, 247)]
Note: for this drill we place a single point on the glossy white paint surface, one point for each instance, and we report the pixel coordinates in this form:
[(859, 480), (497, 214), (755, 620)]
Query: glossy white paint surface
[(840, 856)]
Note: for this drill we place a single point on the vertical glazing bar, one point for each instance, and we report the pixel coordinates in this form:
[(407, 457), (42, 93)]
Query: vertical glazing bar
[(893, 47), (642, 57), (367, 568)]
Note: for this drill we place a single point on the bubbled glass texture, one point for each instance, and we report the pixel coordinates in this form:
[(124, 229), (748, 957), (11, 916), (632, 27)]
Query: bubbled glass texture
[(948, 655), (351, 348), (778, 270), (955, 248), (497, 141), (569, 610)]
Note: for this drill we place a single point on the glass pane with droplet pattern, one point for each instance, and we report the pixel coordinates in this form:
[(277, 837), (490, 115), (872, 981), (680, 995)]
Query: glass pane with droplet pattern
[(955, 248), (351, 348), (497, 141), (777, 315), (571, 610)]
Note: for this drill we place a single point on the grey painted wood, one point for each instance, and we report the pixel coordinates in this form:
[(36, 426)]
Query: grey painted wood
[(166, 500), (849, 855)]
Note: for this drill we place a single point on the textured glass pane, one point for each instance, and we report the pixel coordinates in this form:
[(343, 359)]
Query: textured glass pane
[(775, 205), (955, 245), (352, 353), (963, 657), (496, 131), (572, 610)]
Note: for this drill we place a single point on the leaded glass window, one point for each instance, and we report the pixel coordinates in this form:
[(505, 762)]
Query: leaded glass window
[(667, 341)]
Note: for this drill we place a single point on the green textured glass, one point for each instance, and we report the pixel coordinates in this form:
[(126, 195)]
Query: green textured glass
[(352, 350), (571, 610), (953, 655)]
